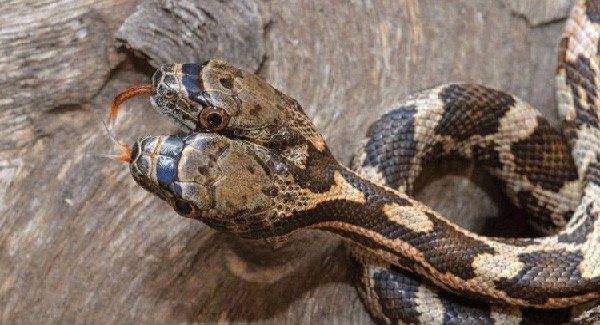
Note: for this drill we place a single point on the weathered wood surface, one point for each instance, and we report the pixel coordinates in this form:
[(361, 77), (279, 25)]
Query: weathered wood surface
[(172, 31), (81, 243)]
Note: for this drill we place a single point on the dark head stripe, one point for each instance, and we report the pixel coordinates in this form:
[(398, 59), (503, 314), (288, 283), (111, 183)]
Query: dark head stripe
[(191, 69), (192, 85), (166, 165), (172, 147), (166, 170)]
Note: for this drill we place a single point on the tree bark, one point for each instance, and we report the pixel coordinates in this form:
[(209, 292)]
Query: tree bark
[(80, 242)]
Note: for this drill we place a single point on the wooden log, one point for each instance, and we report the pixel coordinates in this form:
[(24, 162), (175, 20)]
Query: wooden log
[(80, 242)]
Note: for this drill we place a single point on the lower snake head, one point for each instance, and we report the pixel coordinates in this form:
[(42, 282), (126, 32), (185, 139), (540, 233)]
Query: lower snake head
[(227, 183)]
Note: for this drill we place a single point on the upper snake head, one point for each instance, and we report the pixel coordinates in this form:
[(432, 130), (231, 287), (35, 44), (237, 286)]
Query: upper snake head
[(216, 97), (228, 184)]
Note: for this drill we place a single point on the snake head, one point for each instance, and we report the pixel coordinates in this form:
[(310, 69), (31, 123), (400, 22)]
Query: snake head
[(228, 184), (216, 97)]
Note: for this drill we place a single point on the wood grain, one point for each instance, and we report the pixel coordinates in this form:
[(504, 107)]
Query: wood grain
[(176, 31), (81, 243)]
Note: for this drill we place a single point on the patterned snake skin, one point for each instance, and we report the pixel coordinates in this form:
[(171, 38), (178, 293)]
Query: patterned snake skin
[(254, 165)]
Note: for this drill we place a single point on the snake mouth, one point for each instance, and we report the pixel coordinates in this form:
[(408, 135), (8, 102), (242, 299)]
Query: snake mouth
[(231, 134)]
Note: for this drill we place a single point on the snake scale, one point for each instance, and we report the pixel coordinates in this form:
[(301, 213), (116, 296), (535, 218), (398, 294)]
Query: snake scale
[(253, 164)]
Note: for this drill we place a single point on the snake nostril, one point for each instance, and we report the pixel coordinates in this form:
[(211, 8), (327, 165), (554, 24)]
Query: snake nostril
[(183, 208)]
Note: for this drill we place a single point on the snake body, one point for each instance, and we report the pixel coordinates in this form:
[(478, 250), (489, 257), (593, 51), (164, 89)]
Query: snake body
[(254, 165)]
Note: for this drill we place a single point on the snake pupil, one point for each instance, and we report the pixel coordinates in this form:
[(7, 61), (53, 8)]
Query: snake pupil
[(214, 119)]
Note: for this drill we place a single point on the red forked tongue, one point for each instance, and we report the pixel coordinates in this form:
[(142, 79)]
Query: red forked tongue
[(125, 155), (133, 91)]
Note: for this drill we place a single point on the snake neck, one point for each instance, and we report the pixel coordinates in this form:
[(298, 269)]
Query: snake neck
[(333, 198)]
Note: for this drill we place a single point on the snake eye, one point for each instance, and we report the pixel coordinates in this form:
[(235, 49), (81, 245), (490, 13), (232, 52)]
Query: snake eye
[(183, 208), (214, 118)]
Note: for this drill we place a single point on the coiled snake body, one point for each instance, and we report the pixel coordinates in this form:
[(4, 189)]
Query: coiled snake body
[(254, 165)]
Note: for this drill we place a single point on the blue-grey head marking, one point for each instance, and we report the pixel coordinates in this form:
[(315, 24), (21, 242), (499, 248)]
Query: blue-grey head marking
[(166, 165), (176, 89), (152, 158), (190, 78)]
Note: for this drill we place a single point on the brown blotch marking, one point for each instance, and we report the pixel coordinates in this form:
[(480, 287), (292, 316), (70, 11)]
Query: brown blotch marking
[(558, 270), (317, 176), (579, 234), (250, 170), (396, 291), (533, 206), (445, 248), (227, 83), (592, 10), (255, 109), (488, 154), (203, 170), (392, 147), (580, 75), (472, 110), (545, 158)]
